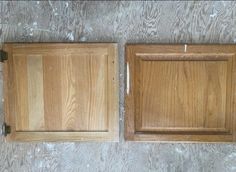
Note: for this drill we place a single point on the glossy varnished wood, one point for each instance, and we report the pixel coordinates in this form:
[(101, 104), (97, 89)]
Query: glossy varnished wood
[(180, 93), (61, 91)]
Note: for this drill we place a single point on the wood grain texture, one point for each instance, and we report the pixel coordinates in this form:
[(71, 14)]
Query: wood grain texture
[(185, 94), (179, 94), (69, 92), (20, 86), (52, 93), (85, 92), (122, 22)]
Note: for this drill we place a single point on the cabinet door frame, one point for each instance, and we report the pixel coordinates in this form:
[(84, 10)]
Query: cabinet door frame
[(166, 52), (112, 134)]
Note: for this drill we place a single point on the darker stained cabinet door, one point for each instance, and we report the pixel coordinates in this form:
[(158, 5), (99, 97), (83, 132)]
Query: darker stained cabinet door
[(181, 93), (56, 91)]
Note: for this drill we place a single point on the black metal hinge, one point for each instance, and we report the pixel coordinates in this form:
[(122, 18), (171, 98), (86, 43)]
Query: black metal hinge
[(6, 129), (3, 56)]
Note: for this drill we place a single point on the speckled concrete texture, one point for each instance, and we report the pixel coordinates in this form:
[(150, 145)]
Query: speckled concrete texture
[(121, 22)]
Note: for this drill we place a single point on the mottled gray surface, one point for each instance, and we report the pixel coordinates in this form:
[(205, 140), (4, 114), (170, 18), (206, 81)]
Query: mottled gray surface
[(158, 22)]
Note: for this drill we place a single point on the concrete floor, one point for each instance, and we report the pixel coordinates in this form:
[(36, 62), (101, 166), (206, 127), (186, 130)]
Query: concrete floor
[(122, 22)]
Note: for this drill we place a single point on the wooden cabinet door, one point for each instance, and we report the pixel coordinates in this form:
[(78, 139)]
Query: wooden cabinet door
[(56, 91), (181, 93)]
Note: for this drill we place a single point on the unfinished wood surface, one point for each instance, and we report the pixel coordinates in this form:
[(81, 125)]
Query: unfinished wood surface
[(35, 92), (179, 94), (65, 90)]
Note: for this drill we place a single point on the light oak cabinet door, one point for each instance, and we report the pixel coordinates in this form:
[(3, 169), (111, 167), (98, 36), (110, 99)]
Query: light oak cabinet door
[(56, 91), (181, 93)]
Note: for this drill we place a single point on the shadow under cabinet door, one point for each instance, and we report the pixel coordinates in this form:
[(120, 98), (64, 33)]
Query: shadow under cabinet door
[(181, 93), (56, 91)]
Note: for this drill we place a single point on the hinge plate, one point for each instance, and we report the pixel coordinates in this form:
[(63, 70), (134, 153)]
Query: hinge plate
[(3, 56), (6, 129)]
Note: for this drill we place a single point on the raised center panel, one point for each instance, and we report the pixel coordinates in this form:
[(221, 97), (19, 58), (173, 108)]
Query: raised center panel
[(180, 93)]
